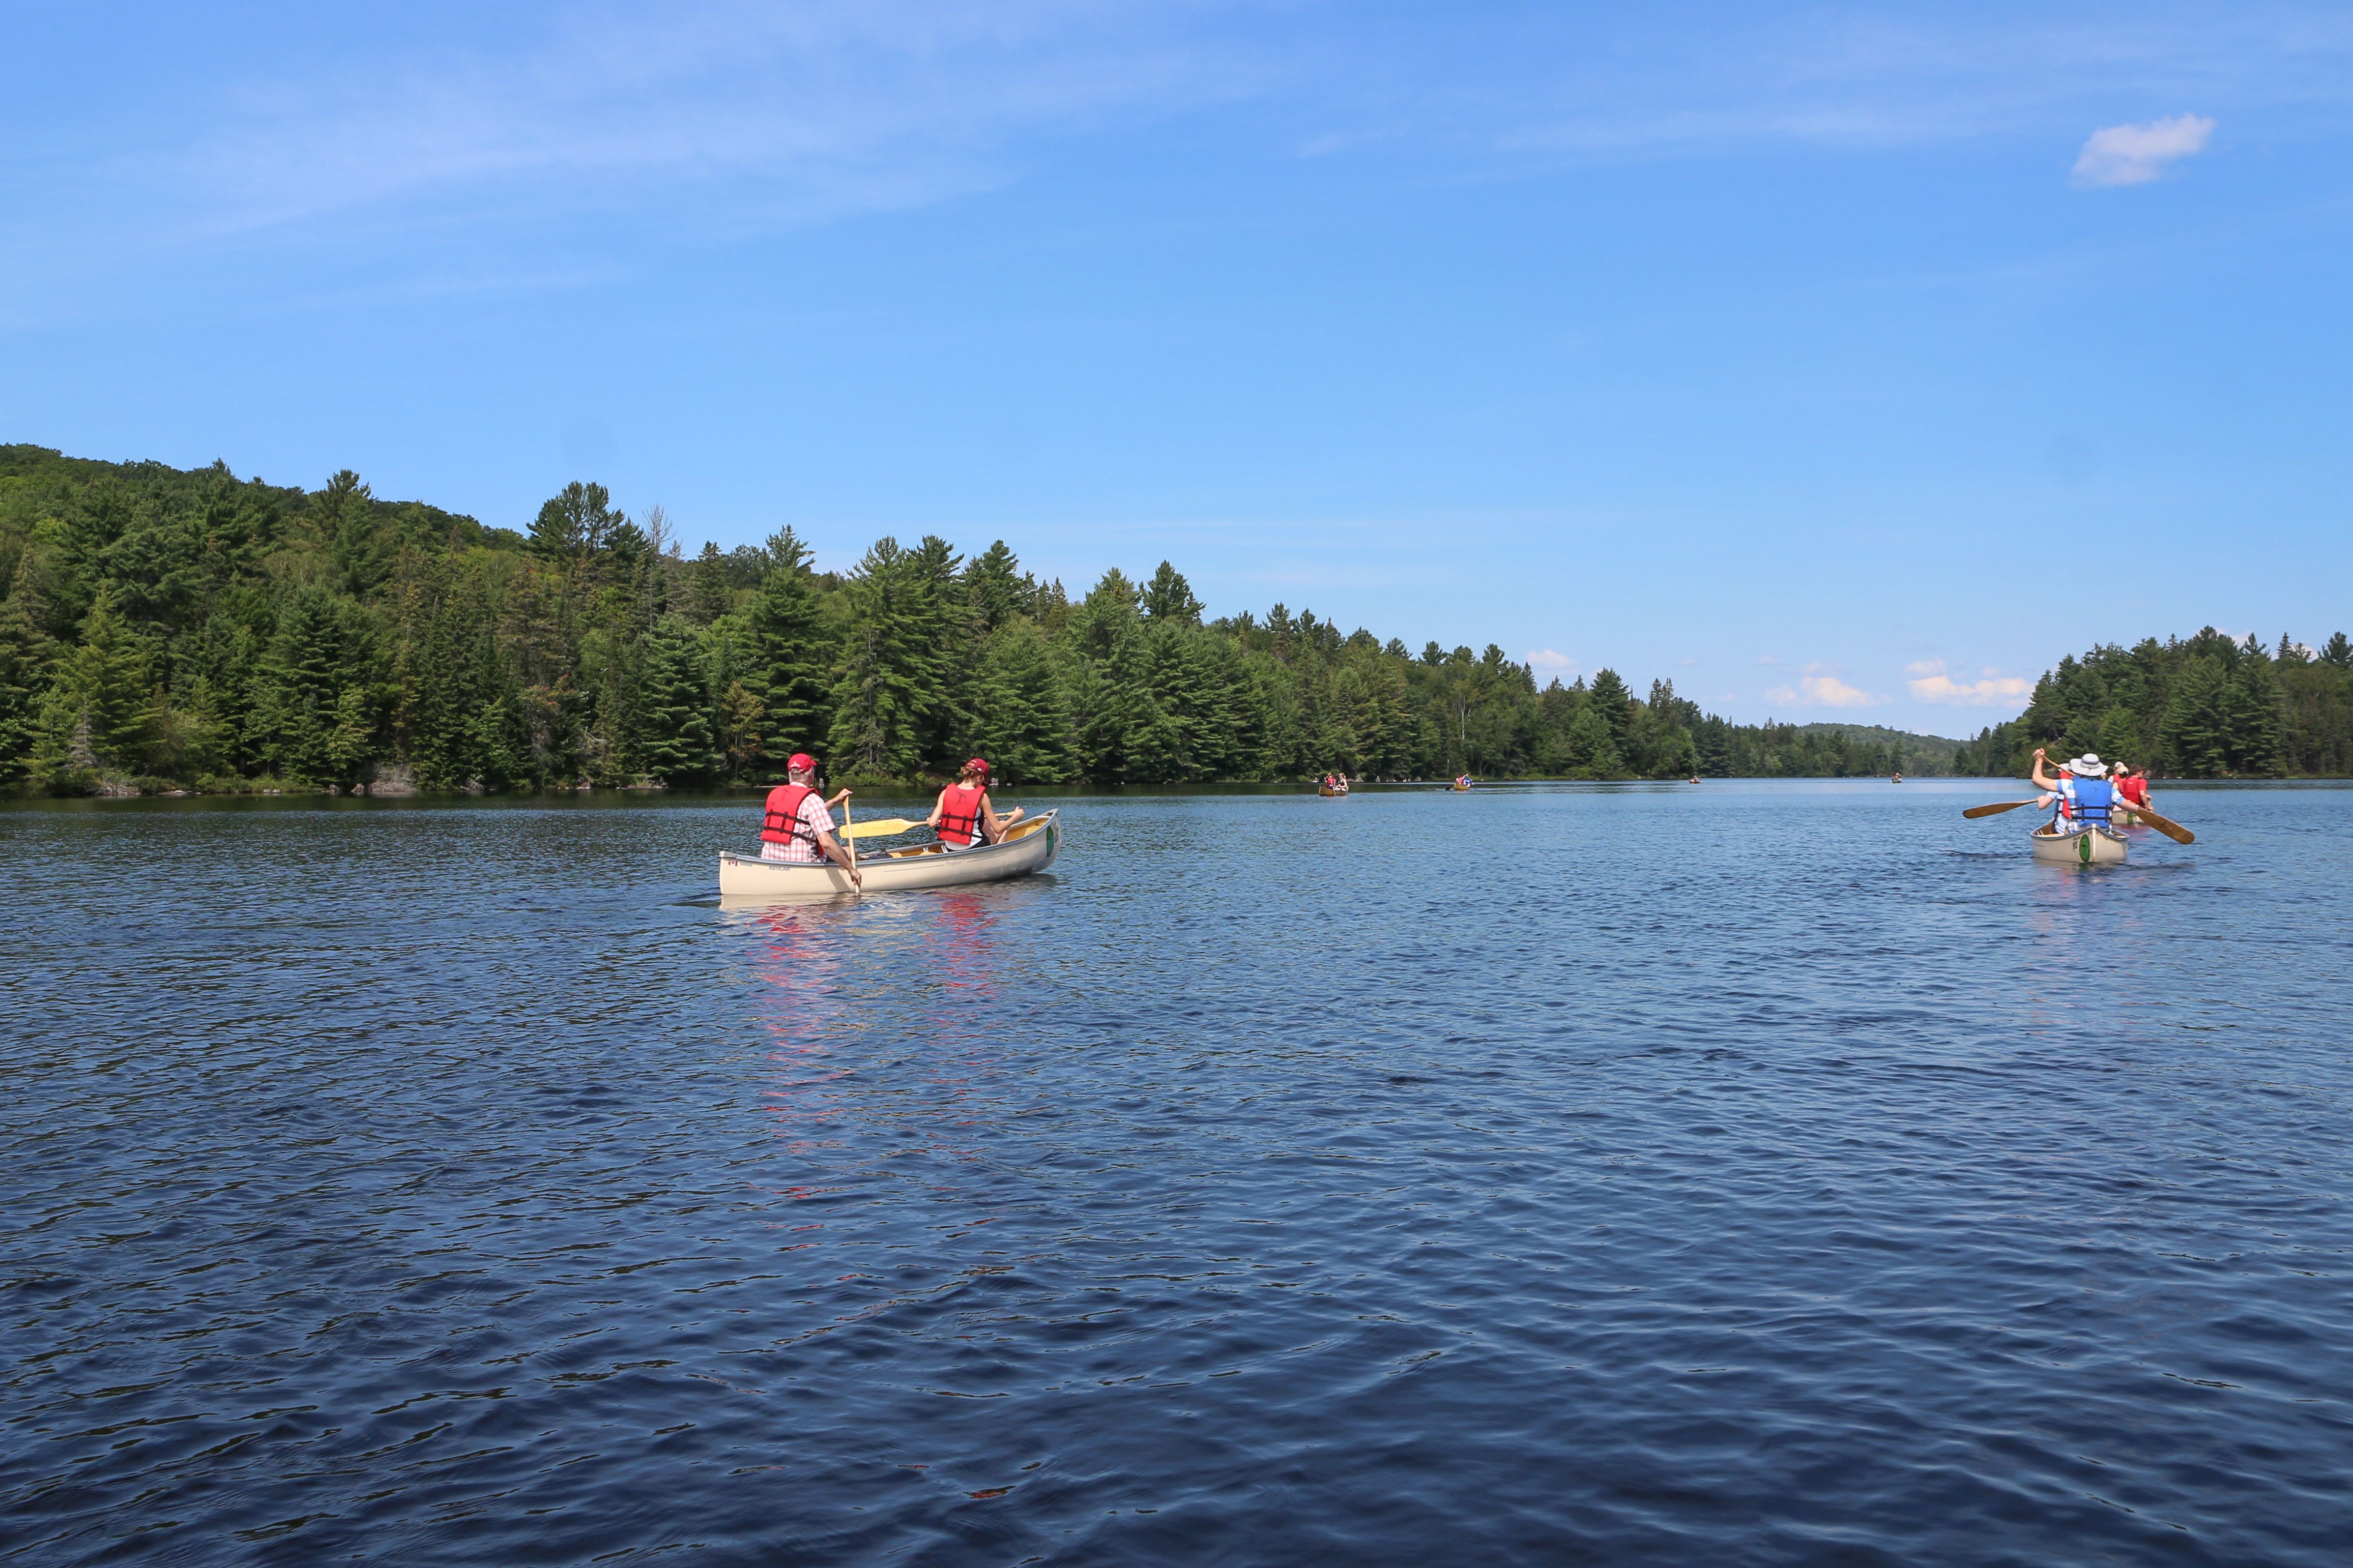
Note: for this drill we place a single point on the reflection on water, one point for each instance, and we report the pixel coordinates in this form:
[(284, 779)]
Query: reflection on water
[(1746, 1174)]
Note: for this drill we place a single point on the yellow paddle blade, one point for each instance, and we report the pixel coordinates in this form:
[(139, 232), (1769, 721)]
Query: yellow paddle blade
[(1989, 810), (2166, 825), (881, 828)]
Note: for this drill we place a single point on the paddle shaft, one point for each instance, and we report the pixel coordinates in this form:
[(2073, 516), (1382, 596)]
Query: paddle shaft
[(2171, 829), (850, 837)]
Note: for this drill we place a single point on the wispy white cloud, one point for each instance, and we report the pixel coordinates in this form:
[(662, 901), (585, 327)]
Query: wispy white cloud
[(2136, 154), (1930, 681), (806, 110), (1545, 658)]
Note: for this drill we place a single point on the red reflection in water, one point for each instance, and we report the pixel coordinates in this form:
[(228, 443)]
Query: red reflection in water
[(848, 990), (801, 961), (940, 966)]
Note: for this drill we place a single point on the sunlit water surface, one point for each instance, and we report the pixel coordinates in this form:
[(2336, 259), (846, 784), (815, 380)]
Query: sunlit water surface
[(1746, 1174)]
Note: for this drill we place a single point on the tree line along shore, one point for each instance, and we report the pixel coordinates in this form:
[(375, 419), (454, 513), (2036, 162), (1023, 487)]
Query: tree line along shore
[(169, 630)]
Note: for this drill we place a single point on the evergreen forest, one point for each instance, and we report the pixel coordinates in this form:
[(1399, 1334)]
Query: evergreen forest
[(165, 629), (2207, 706)]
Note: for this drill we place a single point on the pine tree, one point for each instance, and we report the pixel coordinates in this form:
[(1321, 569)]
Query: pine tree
[(99, 713), (992, 588), (359, 551), (1168, 597), (791, 656), (1591, 747), (302, 681), (25, 651), (1615, 704), (1021, 723), (679, 746), (710, 597), (889, 672), (2193, 735), (2120, 737), (2251, 718)]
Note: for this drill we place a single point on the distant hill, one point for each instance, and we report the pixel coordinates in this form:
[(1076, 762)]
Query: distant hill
[(1924, 752)]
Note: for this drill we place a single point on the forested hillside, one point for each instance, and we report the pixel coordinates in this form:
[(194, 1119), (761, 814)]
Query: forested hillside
[(2207, 706), (165, 629)]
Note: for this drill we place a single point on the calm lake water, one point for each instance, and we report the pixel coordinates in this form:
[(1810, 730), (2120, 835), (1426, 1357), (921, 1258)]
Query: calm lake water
[(1746, 1174)]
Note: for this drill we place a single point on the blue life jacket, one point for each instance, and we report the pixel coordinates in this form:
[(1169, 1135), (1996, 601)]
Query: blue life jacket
[(2091, 799)]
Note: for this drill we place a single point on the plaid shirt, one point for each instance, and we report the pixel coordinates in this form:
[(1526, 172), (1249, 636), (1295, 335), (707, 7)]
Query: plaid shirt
[(800, 852)]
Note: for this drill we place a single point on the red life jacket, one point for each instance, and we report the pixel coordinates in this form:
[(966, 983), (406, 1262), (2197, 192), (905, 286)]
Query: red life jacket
[(960, 808), (2135, 790), (783, 824)]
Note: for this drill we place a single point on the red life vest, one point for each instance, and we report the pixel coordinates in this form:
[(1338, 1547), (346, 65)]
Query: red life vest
[(783, 824), (2135, 790), (960, 809)]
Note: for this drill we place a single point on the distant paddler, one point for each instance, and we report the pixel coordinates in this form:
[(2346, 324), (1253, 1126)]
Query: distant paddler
[(963, 815), (2133, 784), (796, 825)]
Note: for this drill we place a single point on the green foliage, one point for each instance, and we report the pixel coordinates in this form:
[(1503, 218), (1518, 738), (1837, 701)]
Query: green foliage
[(99, 717), (680, 748), (2200, 707), (790, 666), (200, 628)]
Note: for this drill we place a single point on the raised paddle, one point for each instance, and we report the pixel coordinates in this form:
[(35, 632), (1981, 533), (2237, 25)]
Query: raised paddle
[(2172, 830)]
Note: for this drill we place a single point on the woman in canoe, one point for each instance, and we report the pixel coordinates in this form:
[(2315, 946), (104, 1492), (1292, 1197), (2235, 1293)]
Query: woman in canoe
[(962, 815)]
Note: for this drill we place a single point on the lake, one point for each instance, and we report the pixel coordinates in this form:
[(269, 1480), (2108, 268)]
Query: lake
[(1752, 1173)]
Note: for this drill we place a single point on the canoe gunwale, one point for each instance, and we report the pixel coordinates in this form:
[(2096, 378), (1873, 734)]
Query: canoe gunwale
[(749, 877)]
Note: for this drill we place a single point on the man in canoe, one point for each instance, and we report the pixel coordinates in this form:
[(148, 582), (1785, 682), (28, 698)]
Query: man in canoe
[(2081, 790), (962, 815), (796, 825)]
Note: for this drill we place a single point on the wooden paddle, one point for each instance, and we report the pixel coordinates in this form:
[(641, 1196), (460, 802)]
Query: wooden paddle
[(2170, 828), (2000, 805), (881, 827), (850, 836)]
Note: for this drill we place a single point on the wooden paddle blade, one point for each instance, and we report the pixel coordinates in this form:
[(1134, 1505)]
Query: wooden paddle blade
[(2171, 829), (1989, 810), (879, 828)]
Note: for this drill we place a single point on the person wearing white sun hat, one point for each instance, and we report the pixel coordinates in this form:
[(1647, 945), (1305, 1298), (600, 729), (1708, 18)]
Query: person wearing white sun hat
[(2082, 790)]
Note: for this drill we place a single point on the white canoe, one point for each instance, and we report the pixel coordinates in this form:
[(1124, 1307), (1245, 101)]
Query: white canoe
[(1029, 847), (2092, 847)]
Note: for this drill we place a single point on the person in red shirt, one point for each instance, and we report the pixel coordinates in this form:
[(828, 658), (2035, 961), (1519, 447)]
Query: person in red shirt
[(962, 815), (2133, 784), (796, 824)]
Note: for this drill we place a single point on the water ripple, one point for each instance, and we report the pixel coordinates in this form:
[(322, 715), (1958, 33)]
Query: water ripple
[(1747, 1175)]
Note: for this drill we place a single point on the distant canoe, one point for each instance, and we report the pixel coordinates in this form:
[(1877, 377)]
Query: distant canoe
[(1462, 787), (2092, 847), (1328, 793), (1029, 847)]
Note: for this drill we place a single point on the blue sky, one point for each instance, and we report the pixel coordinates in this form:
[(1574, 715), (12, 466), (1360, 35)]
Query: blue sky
[(1845, 363)]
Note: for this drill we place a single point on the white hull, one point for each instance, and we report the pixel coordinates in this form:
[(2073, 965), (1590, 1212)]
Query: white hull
[(2094, 847), (1030, 847)]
